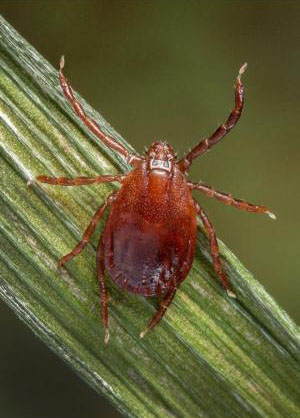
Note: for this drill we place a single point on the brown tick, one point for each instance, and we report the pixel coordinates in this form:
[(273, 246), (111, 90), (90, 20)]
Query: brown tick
[(148, 243)]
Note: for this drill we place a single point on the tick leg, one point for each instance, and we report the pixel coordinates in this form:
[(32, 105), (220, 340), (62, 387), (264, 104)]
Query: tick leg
[(223, 130), (165, 303), (79, 181), (214, 249), (229, 200), (88, 232), (90, 123), (103, 289)]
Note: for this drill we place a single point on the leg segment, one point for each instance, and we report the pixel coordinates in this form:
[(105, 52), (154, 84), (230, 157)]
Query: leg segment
[(88, 232), (223, 130), (229, 200), (214, 249), (165, 303), (79, 181), (90, 123), (103, 289)]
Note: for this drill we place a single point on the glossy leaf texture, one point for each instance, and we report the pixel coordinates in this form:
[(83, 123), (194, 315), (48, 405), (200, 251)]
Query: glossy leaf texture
[(211, 356)]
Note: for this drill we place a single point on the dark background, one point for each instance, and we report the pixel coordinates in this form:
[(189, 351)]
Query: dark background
[(165, 70)]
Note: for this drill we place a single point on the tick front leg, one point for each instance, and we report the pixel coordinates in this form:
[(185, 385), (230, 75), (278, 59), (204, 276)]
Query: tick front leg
[(229, 200), (88, 232), (103, 289), (165, 303), (214, 249), (79, 181), (223, 130), (90, 123)]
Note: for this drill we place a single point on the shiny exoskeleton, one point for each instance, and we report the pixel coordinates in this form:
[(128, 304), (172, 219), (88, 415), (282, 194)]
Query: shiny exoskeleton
[(148, 243)]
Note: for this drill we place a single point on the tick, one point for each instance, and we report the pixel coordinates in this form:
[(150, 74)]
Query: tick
[(149, 240)]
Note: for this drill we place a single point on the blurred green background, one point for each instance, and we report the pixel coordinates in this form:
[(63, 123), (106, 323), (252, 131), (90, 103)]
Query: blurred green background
[(165, 70)]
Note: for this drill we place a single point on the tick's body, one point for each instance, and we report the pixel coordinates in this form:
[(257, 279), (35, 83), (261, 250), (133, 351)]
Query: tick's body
[(148, 243), (149, 238)]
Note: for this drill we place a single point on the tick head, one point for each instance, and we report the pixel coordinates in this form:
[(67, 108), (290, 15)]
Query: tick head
[(160, 156)]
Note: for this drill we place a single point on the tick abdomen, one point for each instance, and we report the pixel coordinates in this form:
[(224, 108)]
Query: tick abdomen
[(149, 238)]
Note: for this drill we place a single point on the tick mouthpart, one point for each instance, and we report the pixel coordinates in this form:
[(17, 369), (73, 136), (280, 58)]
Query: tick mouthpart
[(161, 165)]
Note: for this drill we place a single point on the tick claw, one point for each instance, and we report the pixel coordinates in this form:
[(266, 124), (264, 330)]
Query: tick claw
[(30, 182), (106, 337), (142, 334), (231, 294), (243, 69), (271, 215), (60, 266), (62, 62)]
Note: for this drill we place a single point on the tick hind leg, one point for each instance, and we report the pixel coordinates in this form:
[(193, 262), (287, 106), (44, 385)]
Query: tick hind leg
[(88, 232), (164, 304), (103, 289), (214, 248)]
